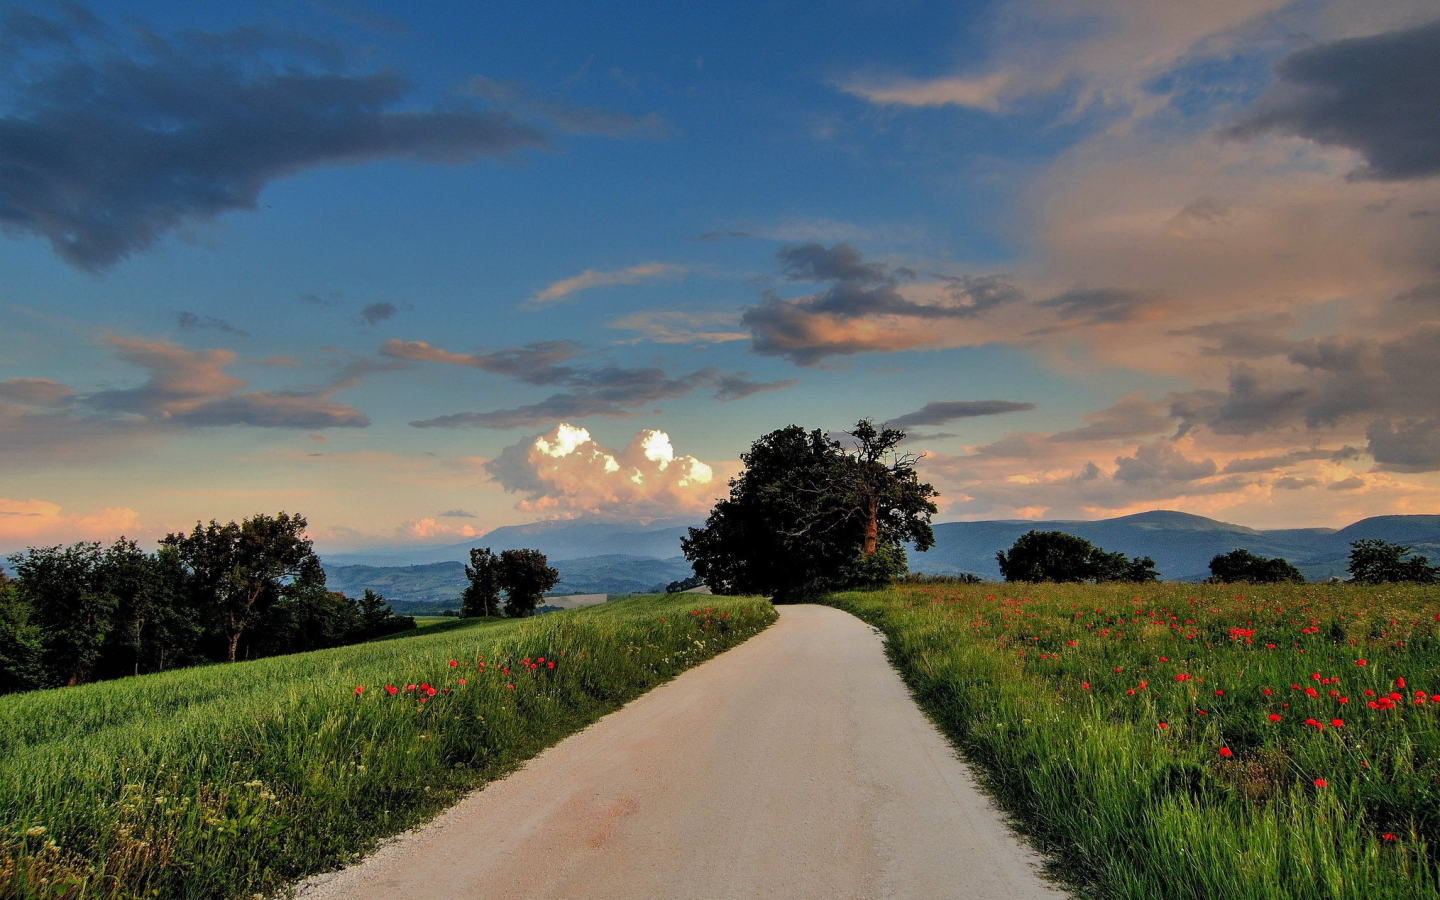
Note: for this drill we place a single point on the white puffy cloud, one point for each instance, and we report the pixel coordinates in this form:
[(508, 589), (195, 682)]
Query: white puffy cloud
[(565, 472)]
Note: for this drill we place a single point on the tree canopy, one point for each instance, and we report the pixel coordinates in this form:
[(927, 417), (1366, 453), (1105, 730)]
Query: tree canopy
[(807, 515), (1373, 561), (1243, 566), (523, 575), (1056, 556)]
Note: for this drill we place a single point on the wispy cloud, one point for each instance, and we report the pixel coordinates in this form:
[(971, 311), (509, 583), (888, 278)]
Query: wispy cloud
[(939, 413), (679, 327), (593, 278)]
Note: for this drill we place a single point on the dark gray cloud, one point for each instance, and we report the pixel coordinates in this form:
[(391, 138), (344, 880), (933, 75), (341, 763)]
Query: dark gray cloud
[(941, 412), (457, 514), (1162, 462), (535, 363), (189, 321), (1378, 95), (108, 140), (1244, 339), (808, 329), (35, 392), (1410, 445), (737, 386), (375, 313), (1096, 306), (1353, 483), (1254, 464), (610, 391), (1130, 417)]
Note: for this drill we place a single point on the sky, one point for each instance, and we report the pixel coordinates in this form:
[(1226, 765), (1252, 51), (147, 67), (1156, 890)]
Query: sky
[(420, 271)]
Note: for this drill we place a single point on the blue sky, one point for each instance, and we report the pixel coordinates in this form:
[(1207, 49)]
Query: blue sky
[(272, 255)]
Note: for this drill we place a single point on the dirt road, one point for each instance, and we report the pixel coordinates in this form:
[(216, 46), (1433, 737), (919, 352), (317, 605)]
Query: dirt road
[(794, 766)]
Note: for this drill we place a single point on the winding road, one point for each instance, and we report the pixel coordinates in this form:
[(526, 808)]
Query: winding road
[(794, 766)]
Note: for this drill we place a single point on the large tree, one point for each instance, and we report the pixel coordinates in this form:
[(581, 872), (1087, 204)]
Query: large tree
[(1243, 566), (807, 515), (1373, 561), (482, 594), (525, 576), (1056, 556), (20, 645), (238, 569), (71, 605)]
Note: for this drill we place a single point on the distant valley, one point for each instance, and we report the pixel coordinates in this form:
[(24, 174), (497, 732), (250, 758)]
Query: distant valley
[(606, 558)]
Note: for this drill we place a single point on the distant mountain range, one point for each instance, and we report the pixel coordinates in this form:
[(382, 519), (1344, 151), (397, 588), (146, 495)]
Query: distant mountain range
[(557, 540), (606, 558), (1182, 545)]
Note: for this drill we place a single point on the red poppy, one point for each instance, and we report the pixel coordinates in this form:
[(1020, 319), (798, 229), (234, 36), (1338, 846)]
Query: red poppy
[(1321, 783), (510, 687), (1225, 752), (1085, 686), (391, 689), (1219, 693), (461, 681), (359, 689), (453, 664), (1117, 670), (1359, 662), (1337, 723), (1387, 836), (550, 665), (1400, 682), (1164, 725), (1274, 718)]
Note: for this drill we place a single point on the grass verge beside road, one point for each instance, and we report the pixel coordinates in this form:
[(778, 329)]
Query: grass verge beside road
[(233, 780), (1193, 741)]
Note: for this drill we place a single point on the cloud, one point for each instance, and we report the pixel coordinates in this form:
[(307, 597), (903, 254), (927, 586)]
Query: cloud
[(1411, 445), (35, 392), (592, 278), (1161, 461), (1376, 95), (112, 141), (736, 386), (188, 321), (676, 327), (1096, 306), (983, 92), (568, 117), (564, 472), (859, 310), (939, 413), (610, 391), (375, 313), (28, 523), (47, 421), (533, 363), (457, 514), (1128, 418)]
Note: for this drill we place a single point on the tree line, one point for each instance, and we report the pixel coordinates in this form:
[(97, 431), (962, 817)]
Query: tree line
[(240, 590)]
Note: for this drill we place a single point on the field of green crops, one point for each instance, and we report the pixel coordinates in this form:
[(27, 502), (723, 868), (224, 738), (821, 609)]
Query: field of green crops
[(1193, 741), (229, 781)]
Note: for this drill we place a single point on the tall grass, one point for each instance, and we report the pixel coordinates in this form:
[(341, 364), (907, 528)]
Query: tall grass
[(232, 780), (1058, 694)]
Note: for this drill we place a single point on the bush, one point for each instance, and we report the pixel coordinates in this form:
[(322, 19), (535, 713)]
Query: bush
[(1242, 565)]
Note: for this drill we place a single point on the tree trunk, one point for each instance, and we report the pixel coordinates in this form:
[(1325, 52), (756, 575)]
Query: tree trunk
[(872, 528), (234, 643)]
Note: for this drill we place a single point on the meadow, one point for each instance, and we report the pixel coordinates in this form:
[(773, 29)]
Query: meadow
[(233, 780), (1193, 741)]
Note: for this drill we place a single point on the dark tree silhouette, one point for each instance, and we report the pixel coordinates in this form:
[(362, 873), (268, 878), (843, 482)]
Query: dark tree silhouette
[(1373, 561), (1242, 565), (1057, 556), (526, 577), (482, 594)]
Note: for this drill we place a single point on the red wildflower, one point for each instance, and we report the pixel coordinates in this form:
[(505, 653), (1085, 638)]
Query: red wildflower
[(461, 681), (510, 687), (1164, 725), (1337, 723), (550, 665), (1400, 683), (1321, 783), (1359, 662), (1117, 670), (1266, 692), (359, 689), (1274, 718), (1219, 693), (391, 689), (1225, 752), (1084, 685), (453, 664), (1387, 836)]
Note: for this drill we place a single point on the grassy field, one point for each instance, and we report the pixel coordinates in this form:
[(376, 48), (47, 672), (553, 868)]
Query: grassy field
[(1193, 741), (232, 780)]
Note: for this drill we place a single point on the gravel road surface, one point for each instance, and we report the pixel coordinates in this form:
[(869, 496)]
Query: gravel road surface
[(794, 766)]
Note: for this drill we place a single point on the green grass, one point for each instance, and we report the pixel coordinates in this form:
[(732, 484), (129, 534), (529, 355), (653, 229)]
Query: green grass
[(427, 621), (1057, 692), (234, 780)]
